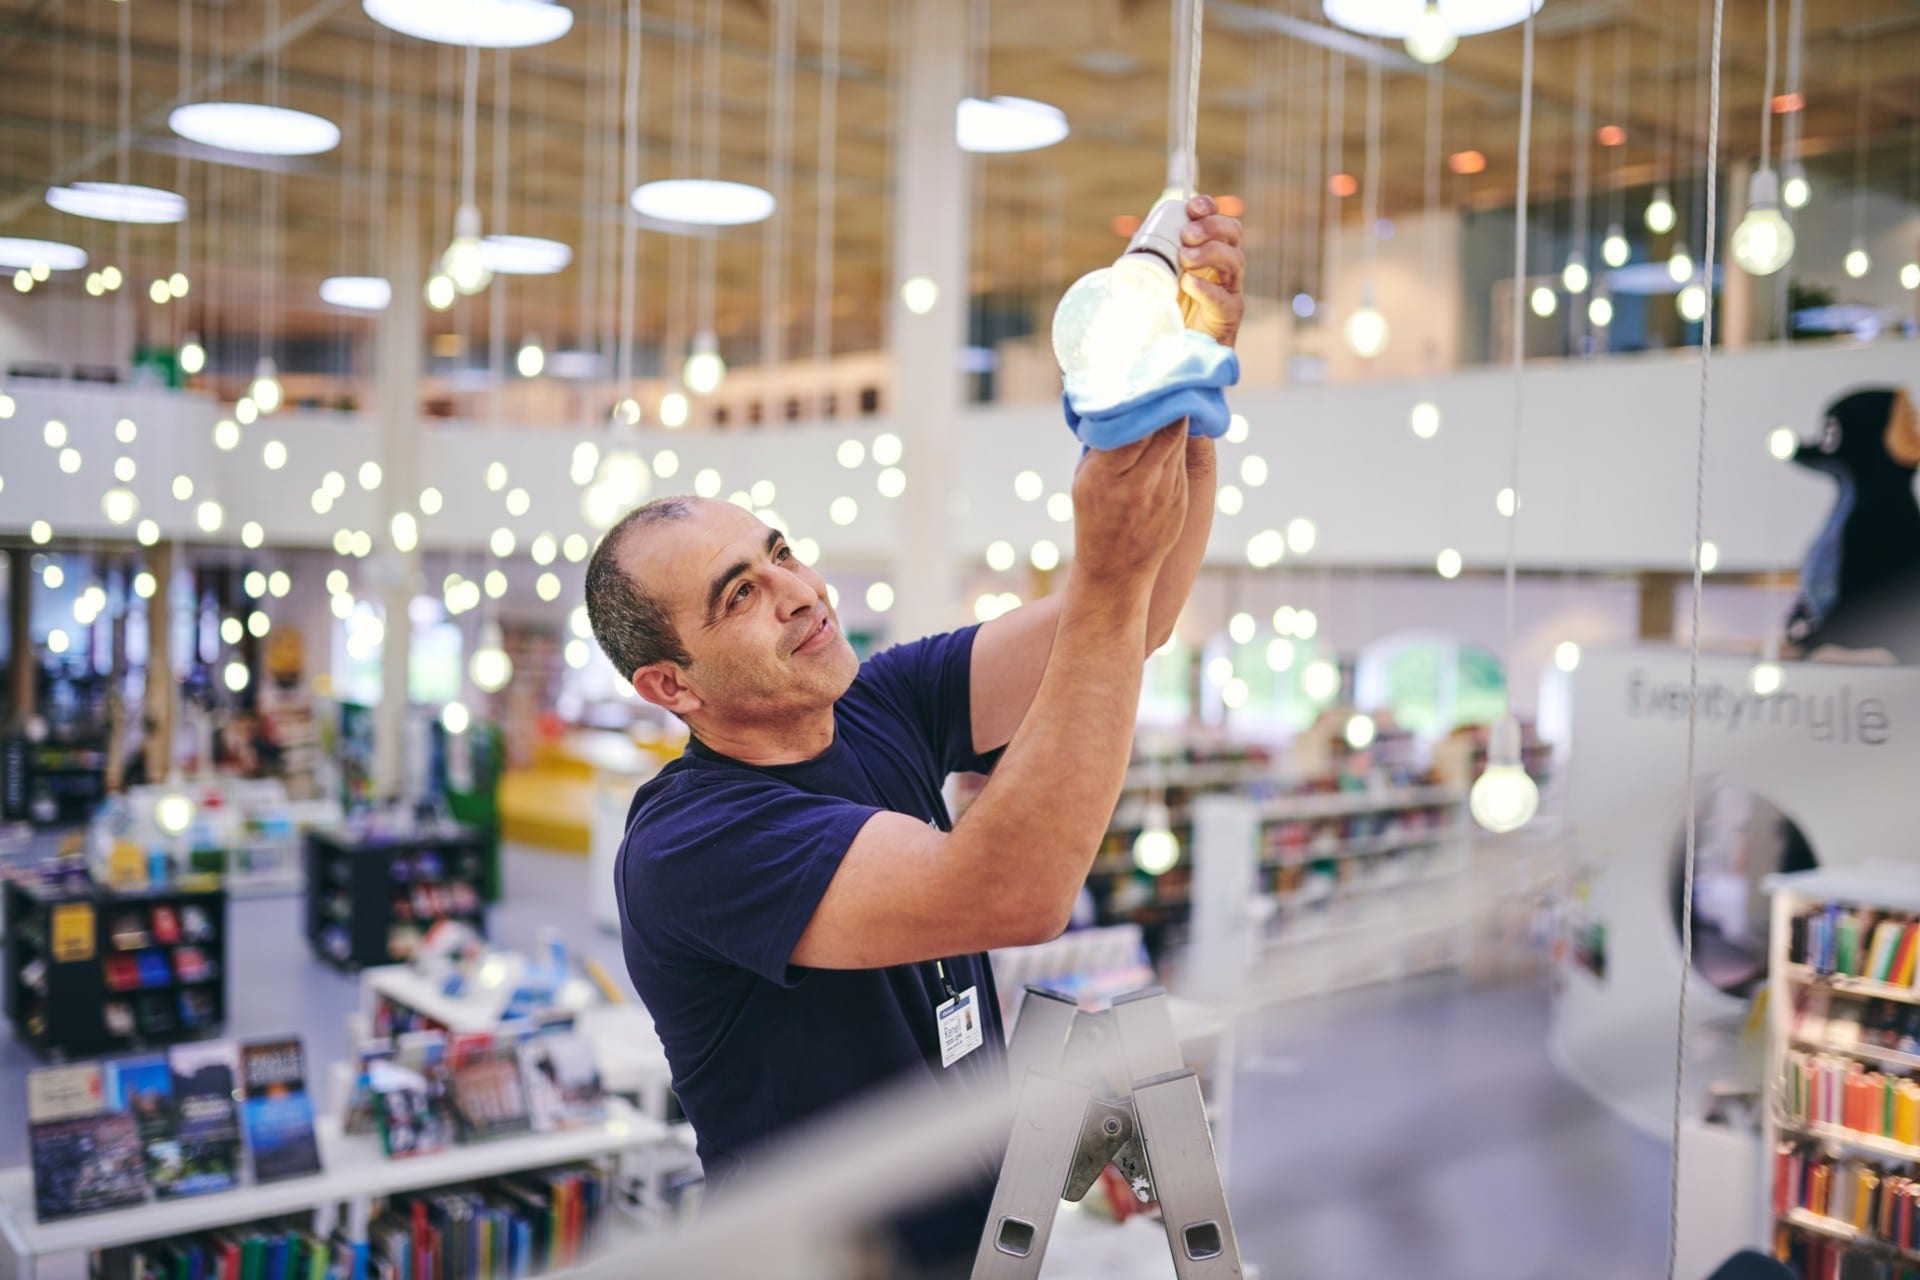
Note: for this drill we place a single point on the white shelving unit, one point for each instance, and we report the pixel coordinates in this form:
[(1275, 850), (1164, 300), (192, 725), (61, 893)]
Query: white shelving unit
[(353, 1171), (1368, 929), (1896, 891)]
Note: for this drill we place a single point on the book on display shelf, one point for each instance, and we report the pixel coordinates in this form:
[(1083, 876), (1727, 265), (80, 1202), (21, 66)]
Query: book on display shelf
[(205, 1076), (489, 1096), (86, 1156), (277, 1111)]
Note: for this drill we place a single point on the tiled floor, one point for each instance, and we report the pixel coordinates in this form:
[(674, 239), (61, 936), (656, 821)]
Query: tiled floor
[(1412, 1131)]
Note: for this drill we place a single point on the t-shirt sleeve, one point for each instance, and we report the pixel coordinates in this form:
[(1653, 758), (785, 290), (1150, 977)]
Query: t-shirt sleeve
[(931, 680), (733, 869)]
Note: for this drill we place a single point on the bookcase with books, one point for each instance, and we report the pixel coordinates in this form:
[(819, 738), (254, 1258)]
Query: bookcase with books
[(94, 970), (1842, 1123), (371, 899)]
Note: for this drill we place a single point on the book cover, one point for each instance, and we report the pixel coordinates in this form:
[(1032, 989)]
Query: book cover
[(278, 1112), (562, 1081), (86, 1163), (143, 1088), (489, 1096), (415, 1111), (204, 1080), (57, 1093)]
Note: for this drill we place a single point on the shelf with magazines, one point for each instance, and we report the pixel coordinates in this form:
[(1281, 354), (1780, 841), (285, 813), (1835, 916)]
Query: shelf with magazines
[(372, 895), (1843, 1070)]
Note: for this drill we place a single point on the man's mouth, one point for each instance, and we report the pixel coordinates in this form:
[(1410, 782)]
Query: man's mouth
[(816, 637)]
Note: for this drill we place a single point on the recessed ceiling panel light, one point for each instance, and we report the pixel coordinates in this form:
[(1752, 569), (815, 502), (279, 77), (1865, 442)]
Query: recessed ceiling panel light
[(1000, 124), (524, 255), (358, 293), (118, 202), (490, 24), (702, 202), (16, 252), (254, 128), (1396, 18)]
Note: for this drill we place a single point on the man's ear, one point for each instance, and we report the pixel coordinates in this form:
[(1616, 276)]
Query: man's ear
[(664, 685)]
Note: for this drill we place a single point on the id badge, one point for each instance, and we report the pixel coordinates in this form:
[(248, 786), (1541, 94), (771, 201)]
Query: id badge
[(960, 1032)]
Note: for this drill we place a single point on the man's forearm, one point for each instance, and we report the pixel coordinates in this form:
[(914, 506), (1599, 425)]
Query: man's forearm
[(1182, 564)]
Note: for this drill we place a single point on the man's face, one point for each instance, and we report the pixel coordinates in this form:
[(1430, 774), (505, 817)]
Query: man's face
[(764, 641)]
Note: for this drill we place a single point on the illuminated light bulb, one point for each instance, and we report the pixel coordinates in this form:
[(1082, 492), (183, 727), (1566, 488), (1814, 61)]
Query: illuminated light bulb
[(1763, 242), (843, 511), (887, 448), (580, 622), (255, 584), (621, 483), (1504, 798), (1000, 556), (273, 455), (1660, 215), (1709, 555), (193, 356), (430, 501), (1253, 470), (465, 262), (111, 278), (1600, 311), (455, 718), (851, 453), (1306, 623), (762, 493), (1691, 302), (1229, 499), (1240, 628), (42, 532), (1505, 502), (124, 469), (6, 406), (666, 464), (1156, 850), (265, 390), (226, 435), (673, 410), (1544, 301), (808, 550), (338, 582), (95, 285), (1796, 190), (1575, 275), (40, 272), (1766, 678), (543, 549), (440, 293), (1858, 260), (1280, 654), (704, 370), (1910, 276), (1425, 419), (1320, 681), (531, 359), (1447, 564), (322, 502), (144, 585), (919, 294), (706, 482), (1236, 429), (178, 284), (491, 668), (246, 411), (1614, 249), (70, 460), (404, 530), (1566, 655), (547, 586), (209, 516), (1301, 535), (173, 812), (1680, 264), (158, 293), (1233, 694), (1782, 443), (880, 597), (1361, 731), (1430, 39), (147, 532), (577, 654), (1366, 330), (1109, 320), (119, 505), (54, 433), (258, 624), (231, 630), (1266, 548), (53, 576), (496, 476), (1045, 556), (501, 542)]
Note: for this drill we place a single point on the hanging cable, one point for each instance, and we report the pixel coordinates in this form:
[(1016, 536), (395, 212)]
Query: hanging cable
[(824, 183), (710, 106), (1183, 102), (1370, 196), (1519, 328), (630, 180), (773, 243), (1693, 647)]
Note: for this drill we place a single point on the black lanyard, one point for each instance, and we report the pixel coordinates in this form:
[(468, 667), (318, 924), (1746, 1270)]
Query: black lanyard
[(946, 983)]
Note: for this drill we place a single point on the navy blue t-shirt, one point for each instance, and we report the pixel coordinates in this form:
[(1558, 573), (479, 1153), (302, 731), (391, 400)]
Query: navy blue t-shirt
[(719, 874)]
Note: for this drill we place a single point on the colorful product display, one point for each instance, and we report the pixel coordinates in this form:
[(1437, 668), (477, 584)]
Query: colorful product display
[(1857, 943)]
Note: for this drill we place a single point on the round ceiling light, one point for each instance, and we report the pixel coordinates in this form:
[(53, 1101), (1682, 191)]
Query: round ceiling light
[(16, 252), (524, 255), (118, 202), (254, 128), (357, 293), (490, 24), (1398, 18), (702, 202), (1001, 123)]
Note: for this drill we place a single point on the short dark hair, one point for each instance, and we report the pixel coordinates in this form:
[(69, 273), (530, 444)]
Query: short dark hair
[(630, 622)]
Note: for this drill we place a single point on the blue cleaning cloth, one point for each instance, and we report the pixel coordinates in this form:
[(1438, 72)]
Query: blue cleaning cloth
[(1184, 379)]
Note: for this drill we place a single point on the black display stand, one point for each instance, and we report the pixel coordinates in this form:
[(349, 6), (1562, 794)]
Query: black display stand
[(369, 900), (89, 972)]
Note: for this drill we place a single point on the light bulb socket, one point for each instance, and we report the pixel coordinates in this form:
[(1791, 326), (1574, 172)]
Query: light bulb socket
[(1503, 742), (1763, 189), (466, 222), (1159, 233)]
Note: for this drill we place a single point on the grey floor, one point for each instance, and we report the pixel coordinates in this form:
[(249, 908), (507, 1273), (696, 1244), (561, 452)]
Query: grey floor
[(1410, 1131)]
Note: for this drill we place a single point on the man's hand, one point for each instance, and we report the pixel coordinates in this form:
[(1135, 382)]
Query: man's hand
[(1212, 272), (1128, 505)]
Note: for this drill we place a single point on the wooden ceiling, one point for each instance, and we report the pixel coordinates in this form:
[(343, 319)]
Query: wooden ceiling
[(1271, 68)]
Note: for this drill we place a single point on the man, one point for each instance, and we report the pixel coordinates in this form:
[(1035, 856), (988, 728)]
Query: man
[(800, 914)]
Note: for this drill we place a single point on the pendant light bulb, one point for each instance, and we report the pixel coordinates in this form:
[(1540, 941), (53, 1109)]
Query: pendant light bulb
[(1680, 264), (1796, 190), (491, 668), (173, 812), (464, 262), (1763, 242), (1111, 318), (1430, 40), (265, 391), (1691, 302), (531, 358), (1575, 275), (1858, 261), (1614, 249), (1660, 214), (1504, 798), (1156, 850), (193, 356), (704, 370), (1366, 330)]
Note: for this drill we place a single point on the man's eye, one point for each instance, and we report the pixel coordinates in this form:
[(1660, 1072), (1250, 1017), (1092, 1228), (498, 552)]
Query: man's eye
[(783, 555), (741, 592)]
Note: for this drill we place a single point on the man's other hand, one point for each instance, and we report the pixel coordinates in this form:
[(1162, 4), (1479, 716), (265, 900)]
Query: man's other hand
[(1212, 272)]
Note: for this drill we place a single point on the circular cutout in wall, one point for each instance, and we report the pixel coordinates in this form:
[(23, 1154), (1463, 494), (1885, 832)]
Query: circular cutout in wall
[(1744, 838)]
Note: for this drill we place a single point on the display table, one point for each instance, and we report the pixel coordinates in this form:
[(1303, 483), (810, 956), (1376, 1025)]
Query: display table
[(353, 1170), (94, 970), (370, 899)]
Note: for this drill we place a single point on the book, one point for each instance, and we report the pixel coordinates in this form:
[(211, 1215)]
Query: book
[(143, 1088), (86, 1157), (204, 1077), (562, 1081), (278, 1112), (490, 1099), (415, 1110), (166, 925)]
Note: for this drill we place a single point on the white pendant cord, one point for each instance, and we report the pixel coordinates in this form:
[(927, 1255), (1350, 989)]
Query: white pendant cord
[(630, 179), (469, 124), (824, 182), (1519, 321), (123, 312), (773, 243), (1766, 99), (1370, 193), (1436, 104), (679, 254), (185, 61), (1693, 643), (497, 295), (1183, 164), (710, 105), (1616, 191), (1863, 71), (1789, 155)]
